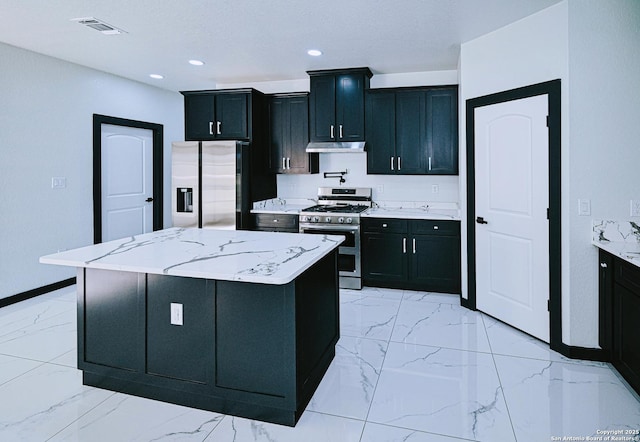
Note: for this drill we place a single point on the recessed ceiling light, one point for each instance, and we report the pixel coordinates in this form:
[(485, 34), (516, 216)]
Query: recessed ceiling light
[(196, 62), (156, 76), (314, 52)]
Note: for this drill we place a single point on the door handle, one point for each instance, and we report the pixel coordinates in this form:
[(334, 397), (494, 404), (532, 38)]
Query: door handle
[(392, 162), (414, 246), (340, 131), (480, 220), (288, 163), (218, 128), (404, 245), (283, 163), (332, 137), (399, 166), (210, 127), (148, 200)]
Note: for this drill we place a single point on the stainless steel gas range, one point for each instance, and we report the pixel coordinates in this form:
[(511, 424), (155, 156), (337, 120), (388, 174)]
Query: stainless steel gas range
[(338, 213)]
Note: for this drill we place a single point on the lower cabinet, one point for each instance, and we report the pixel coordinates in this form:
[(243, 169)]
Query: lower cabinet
[(619, 315), (275, 222), (412, 254)]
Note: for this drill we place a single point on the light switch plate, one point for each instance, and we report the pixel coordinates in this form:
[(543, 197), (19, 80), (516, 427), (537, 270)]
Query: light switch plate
[(635, 208), (435, 188), (58, 182), (584, 207), (176, 314)]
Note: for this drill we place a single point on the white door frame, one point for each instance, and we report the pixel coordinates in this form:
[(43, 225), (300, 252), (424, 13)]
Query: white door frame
[(157, 129), (552, 89)]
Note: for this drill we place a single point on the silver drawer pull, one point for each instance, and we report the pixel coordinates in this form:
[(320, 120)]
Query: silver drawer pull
[(435, 227), (385, 225)]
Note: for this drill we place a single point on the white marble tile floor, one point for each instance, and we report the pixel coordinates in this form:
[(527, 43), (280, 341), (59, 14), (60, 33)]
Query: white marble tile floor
[(409, 366)]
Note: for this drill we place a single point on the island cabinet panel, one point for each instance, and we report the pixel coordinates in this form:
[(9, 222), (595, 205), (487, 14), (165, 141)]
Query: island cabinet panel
[(180, 348), (111, 307), (252, 334), (241, 348)]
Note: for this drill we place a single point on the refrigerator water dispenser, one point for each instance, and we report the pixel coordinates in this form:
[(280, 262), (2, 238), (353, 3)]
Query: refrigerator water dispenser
[(184, 198)]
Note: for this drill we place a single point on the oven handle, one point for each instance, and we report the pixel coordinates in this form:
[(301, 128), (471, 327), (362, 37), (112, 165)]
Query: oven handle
[(350, 228)]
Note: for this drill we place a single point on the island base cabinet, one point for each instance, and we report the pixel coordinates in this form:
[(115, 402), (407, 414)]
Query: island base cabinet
[(252, 350)]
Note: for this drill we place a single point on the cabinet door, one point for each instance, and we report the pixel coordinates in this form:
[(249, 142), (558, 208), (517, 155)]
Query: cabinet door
[(278, 133), (442, 131), (626, 340), (435, 262), (232, 116), (350, 107), (381, 133), (384, 257), (199, 117), (299, 160), (322, 108), (410, 135)]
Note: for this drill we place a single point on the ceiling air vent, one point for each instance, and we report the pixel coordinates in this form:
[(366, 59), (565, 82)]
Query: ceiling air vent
[(99, 25)]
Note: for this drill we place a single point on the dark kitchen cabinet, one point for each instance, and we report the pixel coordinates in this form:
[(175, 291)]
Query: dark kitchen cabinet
[(275, 222), (234, 114), (336, 104), (412, 254), (216, 116), (619, 315), (289, 134), (412, 131)]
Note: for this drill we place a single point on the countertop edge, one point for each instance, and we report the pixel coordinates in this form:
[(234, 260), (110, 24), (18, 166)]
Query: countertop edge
[(621, 250)]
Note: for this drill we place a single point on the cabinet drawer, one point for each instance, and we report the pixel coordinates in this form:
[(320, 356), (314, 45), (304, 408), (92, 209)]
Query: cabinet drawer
[(435, 227), (627, 275), (270, 221), (390, 225)]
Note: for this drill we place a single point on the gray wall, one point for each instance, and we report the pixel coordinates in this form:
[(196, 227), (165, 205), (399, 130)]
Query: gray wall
[(46, 116)]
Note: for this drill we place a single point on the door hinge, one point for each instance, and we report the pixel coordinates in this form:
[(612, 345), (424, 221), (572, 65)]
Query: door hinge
[(547, 120), (548, 305), (548, 216)]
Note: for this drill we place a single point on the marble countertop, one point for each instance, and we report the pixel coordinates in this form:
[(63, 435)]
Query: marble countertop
[(620, 238), (408, 210), (229, 255)]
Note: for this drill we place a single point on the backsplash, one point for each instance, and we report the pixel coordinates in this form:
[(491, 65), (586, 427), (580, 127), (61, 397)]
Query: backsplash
[(415, 188), (616, 231)]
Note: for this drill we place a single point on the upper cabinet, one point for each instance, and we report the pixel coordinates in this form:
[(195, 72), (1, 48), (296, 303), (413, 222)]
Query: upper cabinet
[(336, 104), (289, 134), (219, 115), (412, 131)]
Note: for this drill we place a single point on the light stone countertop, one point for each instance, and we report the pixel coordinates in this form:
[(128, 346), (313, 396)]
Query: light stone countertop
[(620, 238), (229, 255)]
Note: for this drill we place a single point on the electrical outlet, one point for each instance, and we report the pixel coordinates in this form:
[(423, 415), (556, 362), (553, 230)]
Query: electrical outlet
[(635, 207), (176, 314), (435, 188), (58, 182)]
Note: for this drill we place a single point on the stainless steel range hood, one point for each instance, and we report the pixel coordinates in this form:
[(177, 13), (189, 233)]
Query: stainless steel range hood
[(336, 146)]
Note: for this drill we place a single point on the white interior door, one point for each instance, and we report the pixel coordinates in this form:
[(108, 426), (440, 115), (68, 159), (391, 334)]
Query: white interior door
[(512, 199), (127, 181)]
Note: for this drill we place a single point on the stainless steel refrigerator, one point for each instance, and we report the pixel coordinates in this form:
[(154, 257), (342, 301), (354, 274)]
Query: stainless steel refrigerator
[(210, 184)]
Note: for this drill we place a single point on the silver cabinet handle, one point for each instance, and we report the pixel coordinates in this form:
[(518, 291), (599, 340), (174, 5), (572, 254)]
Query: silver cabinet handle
[(603, 265), (414, 246), (399, 166), (404, 245), (435, 227), (392, 160), (429, 163), (341, 131), (210, 127), (218, 128), (384, 225), (332, 132), (288, 163), (283, 166)]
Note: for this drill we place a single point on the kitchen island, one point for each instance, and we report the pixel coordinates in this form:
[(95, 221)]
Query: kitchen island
[(238, 322)]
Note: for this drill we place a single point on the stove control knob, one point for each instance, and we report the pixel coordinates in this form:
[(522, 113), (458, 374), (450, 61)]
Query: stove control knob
[(341, 220), (304, 219), (327, 219), (349, 220), (315, 219)]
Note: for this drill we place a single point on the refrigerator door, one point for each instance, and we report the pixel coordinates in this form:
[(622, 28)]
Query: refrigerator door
[(219, 185), (184, 184)]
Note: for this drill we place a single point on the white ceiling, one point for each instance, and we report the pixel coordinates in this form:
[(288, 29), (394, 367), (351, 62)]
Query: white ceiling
[(255, 40)]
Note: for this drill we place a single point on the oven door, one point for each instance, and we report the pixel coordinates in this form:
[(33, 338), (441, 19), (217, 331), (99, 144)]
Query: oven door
[(349, 250)]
